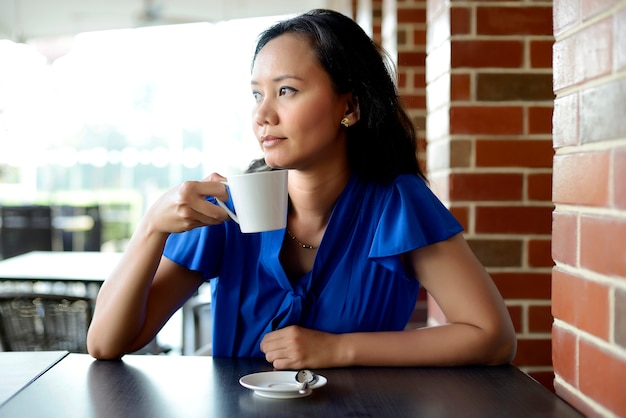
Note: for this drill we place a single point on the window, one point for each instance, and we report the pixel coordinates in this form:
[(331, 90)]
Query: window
[(126, 114)]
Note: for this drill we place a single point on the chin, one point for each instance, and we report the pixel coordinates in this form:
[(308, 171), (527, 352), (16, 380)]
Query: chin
[(272, 162)]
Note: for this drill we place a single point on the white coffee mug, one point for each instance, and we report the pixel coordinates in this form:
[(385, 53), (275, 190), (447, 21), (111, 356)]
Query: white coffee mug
[(260, 200)]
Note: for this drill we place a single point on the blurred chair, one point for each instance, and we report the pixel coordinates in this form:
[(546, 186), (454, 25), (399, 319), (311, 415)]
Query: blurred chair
[(198, 326), (77, 228), (44, 322), (24, 229), (203, 327)]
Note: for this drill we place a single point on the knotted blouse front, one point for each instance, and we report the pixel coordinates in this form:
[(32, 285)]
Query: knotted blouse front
[(358, 281)]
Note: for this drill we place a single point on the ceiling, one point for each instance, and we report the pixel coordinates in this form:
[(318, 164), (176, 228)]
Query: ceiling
[(24, 20)]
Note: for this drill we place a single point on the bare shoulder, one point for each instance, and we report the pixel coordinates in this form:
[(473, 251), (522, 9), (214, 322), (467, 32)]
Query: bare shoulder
[(453, 275), (448, 255)]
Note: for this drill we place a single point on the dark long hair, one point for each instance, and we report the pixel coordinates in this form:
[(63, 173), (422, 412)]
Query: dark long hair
[(383, 143)]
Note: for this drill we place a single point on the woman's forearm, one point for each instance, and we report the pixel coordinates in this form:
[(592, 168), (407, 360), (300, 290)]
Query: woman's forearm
[(120, 312), (142, 293), (445, 345)]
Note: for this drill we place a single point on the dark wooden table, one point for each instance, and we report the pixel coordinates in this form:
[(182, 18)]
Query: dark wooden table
[(168, 386), (19, 369)]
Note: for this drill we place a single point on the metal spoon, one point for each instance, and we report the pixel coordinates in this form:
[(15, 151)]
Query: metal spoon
[(306, 378)]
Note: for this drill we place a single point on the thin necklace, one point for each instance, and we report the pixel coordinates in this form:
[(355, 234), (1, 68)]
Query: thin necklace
[(305, 246)]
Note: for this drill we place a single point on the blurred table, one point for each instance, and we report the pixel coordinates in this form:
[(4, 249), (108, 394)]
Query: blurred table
[(189, 386), (88, 268), (19, 369), (67, 266)]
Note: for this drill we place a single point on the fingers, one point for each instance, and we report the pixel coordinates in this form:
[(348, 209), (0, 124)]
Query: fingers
[(216, 177), (287, 348), (186, 207), (286, 359), (212, 185), (275, 347)]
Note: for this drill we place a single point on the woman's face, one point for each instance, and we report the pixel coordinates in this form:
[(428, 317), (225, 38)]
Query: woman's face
[(297, 114)]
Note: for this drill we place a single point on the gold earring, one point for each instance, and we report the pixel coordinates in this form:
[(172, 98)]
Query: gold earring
[(345, 122)]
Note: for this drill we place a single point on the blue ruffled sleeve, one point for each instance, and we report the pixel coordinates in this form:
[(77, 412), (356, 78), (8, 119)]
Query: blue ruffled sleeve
[(411, 217), (200, 249)]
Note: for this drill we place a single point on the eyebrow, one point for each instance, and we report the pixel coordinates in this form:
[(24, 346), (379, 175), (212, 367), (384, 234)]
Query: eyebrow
[(281, 78)]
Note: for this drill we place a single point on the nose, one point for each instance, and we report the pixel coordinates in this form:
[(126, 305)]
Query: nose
[(264, 113)]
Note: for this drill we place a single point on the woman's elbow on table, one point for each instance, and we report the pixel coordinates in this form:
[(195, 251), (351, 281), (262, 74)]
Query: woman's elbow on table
[(504, 346), (101, 350)]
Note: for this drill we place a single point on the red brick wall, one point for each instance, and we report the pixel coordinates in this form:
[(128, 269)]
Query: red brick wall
[(589, 222), (489, 101)]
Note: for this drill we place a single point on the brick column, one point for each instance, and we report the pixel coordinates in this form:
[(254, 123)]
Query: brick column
[(411, 41), (489, 90), (589, 227)]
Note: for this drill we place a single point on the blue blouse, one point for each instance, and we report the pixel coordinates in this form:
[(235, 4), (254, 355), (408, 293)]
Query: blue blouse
[(357, 283)]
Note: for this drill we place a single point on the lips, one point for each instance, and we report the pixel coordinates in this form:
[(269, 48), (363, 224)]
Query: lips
[(269, 140)]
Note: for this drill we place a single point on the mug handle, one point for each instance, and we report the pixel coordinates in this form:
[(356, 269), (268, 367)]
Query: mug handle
[(223, 206)]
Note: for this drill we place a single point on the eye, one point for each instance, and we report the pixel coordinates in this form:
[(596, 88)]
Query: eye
[(256, 95), (286, 91)]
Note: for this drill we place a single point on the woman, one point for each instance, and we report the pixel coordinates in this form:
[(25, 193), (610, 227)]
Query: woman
[(338, 286)]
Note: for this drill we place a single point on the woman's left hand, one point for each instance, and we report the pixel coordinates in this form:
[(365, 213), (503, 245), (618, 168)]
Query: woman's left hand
[(295, 347)]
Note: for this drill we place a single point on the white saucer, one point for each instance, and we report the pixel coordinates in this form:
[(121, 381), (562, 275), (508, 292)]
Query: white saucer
[(279, 385)]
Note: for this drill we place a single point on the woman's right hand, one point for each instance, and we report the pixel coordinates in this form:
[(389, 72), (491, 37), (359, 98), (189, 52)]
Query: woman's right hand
[(185, 206)]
